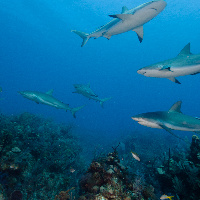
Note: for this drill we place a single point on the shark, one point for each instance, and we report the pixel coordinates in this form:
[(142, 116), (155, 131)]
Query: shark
[(184, 64), (86, 91), (173, 119), (128, 20), (48, 99)]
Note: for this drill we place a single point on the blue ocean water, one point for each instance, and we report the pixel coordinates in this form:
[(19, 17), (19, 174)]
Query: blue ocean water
[(39, 52)]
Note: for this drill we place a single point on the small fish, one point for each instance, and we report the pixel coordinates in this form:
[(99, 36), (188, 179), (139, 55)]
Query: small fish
[(135, 156), (72, 170), (13, 166), (166, 197)]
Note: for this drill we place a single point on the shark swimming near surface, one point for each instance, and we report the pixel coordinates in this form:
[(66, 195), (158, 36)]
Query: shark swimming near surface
[(128, 20), (86, 91), (48, 99), (173, 119), (183, 64)]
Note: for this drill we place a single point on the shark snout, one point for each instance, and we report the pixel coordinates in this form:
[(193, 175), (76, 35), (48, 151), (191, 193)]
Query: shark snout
[(20, 92), (141, 71), (158, 5), (137, 119), (23, 93)]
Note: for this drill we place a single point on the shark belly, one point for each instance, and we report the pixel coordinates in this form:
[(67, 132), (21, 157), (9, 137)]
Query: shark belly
[(182, 128), (98, 34), (50, 101), (185, 70), (174, 71), (149, 124), (122, 27), (136, 20)]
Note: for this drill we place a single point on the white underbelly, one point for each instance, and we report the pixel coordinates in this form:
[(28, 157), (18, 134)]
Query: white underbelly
[(122, 27), (182, 71), (136, 20), (179, 128), (149, 124), (174, 72)]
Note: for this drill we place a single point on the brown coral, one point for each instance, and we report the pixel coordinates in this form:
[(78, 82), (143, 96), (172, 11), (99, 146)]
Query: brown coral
[(64, 195)]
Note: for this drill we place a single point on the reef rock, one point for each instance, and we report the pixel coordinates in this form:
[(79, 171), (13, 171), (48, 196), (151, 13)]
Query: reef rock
[(107, 179)]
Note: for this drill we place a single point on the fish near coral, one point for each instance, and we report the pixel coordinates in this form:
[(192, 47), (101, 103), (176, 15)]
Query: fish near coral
[(135, 156), (166, 197)]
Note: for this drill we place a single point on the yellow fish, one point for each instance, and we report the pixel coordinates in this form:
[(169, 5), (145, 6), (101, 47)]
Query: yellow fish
[(166, 197)]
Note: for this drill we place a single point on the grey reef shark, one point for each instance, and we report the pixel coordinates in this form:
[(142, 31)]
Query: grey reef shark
[(86, 91), (184, 64), (173, 119), (48, 99), (128, 20)]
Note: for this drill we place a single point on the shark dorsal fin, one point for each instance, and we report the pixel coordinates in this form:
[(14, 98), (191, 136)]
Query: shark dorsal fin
[(88, 85), (185, 50), (50, 92), (124, 9), (176, 107)]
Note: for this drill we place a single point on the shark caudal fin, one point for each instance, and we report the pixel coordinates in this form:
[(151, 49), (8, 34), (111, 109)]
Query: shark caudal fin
[(74, 110), (103, 100), (83, 35)]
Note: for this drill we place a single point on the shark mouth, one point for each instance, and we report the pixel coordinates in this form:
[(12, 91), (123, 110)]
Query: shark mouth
[(154, 9)]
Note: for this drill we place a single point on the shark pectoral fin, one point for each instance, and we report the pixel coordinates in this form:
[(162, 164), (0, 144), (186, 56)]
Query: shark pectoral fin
[(169, 130), (173, 79), (124, 9), (50, 92), (166, 68), (140, 33), (123, 17)]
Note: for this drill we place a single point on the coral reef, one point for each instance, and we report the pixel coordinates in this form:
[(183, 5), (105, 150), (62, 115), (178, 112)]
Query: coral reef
[(41, 160), (36, 156), (108, 179), (64, 195), (181, 173)]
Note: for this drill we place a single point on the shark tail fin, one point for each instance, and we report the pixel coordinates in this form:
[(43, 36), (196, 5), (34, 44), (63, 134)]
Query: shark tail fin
[(74, 110), (83, 35), (103, 100)]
